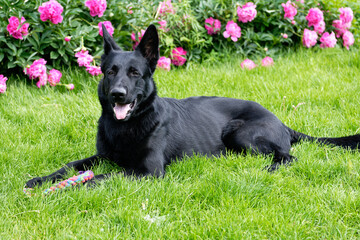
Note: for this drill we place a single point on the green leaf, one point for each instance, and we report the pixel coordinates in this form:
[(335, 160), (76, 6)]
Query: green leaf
[(2, 39), (31, 56), (62, 51), (11, 64), (36, 38), (54, 55), (12, 47), (33, 42), (54, 45), (184, 39)]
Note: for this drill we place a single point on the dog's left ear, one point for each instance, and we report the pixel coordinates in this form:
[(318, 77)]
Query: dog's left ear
[(149, 46)]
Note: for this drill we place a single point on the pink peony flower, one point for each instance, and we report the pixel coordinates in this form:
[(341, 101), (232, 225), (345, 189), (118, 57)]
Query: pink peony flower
[(163, 24), (3, 83), (94, 70), (320, 27), (97, 7), (247, 12), (129, 11), (54, 77), (178, 56), (314, 17), (284, 35), (14, 27), (137, 38), (84, 58), (212, 25), (2, 87), (37, 69), (340, 27), (109, 27), (328, 40), (232, 30), (346, 15), (289, 9), (164, 63), (51, 11), (67, 39), (3, 79), (42, 80), (309, 38), (348, 39), (166, 7), (248, 64), (267, 61)]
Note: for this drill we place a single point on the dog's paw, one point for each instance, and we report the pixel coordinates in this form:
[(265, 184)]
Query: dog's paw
[(34, 182), (273, 167), (91, 183)]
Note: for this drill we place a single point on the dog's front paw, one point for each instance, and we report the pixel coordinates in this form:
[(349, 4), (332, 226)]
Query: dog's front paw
[(34, 182), (91, 183)]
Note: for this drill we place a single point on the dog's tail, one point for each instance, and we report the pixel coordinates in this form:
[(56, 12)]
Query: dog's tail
[(352, 142)]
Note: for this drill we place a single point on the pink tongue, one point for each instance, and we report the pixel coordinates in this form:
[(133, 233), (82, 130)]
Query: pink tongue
[(121, 110)]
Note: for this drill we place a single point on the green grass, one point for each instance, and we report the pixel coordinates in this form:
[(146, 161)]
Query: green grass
[(199, 198)]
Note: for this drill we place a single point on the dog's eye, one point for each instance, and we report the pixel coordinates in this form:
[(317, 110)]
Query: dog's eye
[(110, 72), (133, 72)]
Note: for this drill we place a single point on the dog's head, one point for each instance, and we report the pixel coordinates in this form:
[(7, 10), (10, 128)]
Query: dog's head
[(127, 80)]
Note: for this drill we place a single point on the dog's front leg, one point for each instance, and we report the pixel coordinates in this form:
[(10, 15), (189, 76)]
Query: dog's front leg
[(153, 165), (79, 165)]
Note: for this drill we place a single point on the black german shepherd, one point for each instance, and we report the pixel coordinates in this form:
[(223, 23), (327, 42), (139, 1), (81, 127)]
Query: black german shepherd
[(143, 132)]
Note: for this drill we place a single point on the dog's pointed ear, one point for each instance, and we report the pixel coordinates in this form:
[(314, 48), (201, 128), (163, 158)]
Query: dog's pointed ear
[(149, 46), (109, 43)]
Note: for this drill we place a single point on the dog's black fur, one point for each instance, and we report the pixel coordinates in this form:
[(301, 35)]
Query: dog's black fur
[(142, 132)]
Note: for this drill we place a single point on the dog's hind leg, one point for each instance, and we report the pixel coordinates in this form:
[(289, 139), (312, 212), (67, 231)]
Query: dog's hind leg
[(79, 165), (280, 159), (271, 138)]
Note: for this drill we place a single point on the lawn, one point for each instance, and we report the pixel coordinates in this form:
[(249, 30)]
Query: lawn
[(312, 91)]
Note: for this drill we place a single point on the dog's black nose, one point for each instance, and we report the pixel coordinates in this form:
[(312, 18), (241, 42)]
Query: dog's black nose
[(118, 94)]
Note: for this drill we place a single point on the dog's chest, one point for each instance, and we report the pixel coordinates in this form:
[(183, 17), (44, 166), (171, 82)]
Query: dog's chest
[(127, 144)]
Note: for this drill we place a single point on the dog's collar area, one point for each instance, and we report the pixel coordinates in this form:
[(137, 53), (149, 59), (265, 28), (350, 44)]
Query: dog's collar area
[(123, 111)]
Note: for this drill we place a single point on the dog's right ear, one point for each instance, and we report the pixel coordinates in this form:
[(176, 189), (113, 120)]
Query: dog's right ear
[(109, 43)]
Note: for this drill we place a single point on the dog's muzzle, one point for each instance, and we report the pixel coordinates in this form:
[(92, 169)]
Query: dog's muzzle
[(122, 108)]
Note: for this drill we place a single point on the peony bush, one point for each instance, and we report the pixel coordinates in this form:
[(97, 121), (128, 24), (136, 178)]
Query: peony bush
[(40, 37)]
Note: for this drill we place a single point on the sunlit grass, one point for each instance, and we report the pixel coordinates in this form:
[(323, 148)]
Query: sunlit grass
[(199, 198)]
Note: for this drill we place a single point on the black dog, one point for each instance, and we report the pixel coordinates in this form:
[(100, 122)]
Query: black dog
[(142, 132)]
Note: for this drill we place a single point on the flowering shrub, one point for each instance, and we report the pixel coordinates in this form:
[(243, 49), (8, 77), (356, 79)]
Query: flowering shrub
[(54, 77), (232, 30), (63, 32), (248, 64), (309, 38), (3, 83), (164, 63), (97, 7), (348, 39), (16, 28), (247, 13), (52, 11), (314, 17), (267, 61), (328, 40), (213, 26), (84, 58), (289, 9), (178, 56)]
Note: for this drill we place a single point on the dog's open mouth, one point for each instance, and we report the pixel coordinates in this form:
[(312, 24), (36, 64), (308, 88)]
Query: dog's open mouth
[(122, 111)]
